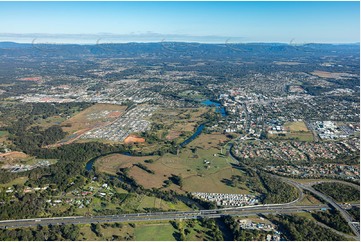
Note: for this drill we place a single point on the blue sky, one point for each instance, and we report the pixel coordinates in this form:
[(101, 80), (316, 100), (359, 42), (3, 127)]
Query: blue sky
[(302, 22)]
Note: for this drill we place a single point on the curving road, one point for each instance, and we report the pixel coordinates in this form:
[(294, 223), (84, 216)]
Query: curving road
[(355, 226)]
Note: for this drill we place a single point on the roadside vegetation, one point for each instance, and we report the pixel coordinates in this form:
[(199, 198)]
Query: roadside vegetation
[(338, 191), (297, 228), (333, 219)]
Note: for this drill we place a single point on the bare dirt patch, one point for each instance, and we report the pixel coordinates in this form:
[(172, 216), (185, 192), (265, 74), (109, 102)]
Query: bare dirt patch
[(336, 75), (14, 155), (134, 139), (290, 63), (32, 79)]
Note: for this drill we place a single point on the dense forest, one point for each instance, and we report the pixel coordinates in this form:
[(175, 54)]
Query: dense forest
[(277, 191), (338, 191), (299, 228), (40, 233), (333, 219)]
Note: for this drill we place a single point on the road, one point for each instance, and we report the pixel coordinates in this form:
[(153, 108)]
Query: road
[(342, 211), (215, 213), (300, 187)]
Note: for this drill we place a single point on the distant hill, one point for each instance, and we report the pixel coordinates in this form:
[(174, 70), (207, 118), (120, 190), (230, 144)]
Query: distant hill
[(179, 49)]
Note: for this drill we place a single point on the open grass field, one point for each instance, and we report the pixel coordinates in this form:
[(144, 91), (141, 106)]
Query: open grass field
[(94, 116), (296, 131), (154, 232), (325, 74), (191, 94), (308, 137), (108, 232), (138, 202), (17, 181), (110, 164), (3, 134), (296, 126), (142, 231), (200, 164), (177, 121), (208, 141), (145, 231), (48, 122), (309, 200)]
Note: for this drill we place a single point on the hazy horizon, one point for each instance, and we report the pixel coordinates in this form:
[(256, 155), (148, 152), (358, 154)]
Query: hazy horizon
[(204, 22), (94, 39)]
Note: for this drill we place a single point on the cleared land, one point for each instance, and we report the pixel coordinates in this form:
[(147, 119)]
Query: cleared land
[(290, 63), (95, 116), (325, 74), (134, 139)]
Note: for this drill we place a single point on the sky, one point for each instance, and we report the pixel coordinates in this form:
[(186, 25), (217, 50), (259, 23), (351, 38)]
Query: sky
[(232, 22)]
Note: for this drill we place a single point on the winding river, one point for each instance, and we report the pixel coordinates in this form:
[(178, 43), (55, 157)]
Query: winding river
[(219, 109)]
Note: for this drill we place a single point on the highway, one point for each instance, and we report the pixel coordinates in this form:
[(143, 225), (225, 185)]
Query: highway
[(215, 213), (286, 208), (355, 226)]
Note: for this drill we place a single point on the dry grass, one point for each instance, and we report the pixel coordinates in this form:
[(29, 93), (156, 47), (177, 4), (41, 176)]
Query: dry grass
[(84, 121), (325, 74), (179, 120), (213, 182), (17, 181), (14, 155), (208, 141), (296, 126), (111, 163), (190, 164)]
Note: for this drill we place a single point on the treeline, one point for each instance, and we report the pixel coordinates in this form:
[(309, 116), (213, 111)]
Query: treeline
[(298, 228), (28, 140), (28, 205), (209, 229), (40, 233), (333, 219), (355, 213), (338, 191), (129, 184), (71, 162), (144, 167), (277, 190)]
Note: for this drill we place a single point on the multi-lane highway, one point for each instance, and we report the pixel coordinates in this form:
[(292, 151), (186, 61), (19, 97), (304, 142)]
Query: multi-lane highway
[(215, 213)]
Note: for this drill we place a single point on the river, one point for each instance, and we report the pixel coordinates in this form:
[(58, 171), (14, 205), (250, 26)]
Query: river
[(219, 109), (90, 163)]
